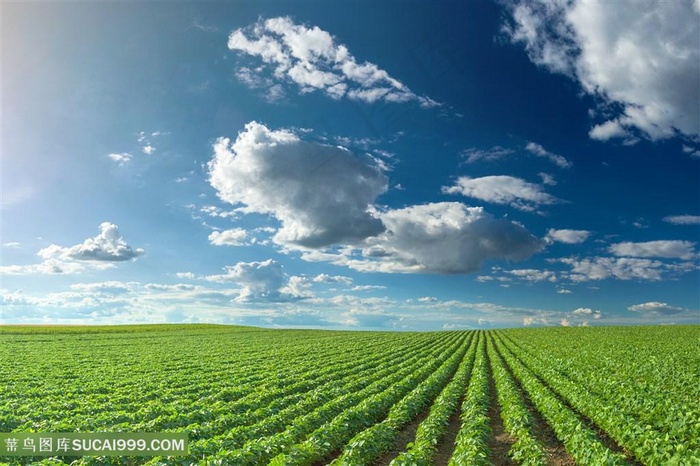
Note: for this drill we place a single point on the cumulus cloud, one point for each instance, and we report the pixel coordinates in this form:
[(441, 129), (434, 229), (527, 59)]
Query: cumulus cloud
[(502, 189), (657, 308), (321, 194), (683, 219), (100, 252), (107, 246), (446, 238), (673, 249), (259, 281), (233, 237), (567, 236), (311, 58), (607, 48), (540, 151)]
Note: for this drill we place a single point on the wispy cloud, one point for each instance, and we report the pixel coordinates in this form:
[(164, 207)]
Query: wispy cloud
[(621, 268), (501, 189), (474, 155), (670, 249), (540, 151), (657, 308), (683, 219), (310, 58)]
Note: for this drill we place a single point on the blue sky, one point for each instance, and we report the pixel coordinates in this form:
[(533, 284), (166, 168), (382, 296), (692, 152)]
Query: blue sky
[(362, 166)]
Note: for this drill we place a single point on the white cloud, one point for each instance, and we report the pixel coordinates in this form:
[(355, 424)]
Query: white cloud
[(11, 245), (260, 281), (567, 236), (310, 58), (499, 153), (148, 149), (501, 189), (297, 287), (321, 194), (367, 287), (108, 246), (325, 278), (120, 158), (100, 252), (446, 237), (428, 299), (533, 275), (547, 179), (495, 153), (50, 266), (587, 312), (233, 237), (607, 130), (608, 49), (693, 152), (540, 151), (657, 308), (621, 268), (683, 219), (673, 249)]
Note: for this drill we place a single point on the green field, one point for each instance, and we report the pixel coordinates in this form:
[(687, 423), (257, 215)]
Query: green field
[(249, 396)]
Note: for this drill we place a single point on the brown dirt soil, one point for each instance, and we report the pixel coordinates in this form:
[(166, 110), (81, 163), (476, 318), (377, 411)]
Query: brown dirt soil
[(556, 452), (405, 436), (447, 445)]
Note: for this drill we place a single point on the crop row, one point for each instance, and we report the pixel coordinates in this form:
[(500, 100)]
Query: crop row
[(314, 408), (335, 434), (471, 443), (517, 419), (433, 428), (583, 444), (647, 445), (673, 417), (366, 446), (306, 398), (94, 409)]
